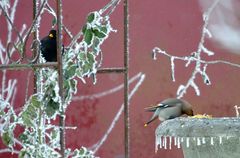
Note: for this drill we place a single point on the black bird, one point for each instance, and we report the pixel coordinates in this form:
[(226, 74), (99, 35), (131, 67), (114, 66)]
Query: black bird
[(49, 47)]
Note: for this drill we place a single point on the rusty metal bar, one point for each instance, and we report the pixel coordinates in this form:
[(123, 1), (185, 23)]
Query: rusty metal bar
[(126, 77), (55, 64), (27, 66), (35, 49), (60, 76), (111, 70)]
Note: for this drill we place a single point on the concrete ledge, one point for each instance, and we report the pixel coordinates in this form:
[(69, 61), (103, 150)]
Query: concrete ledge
[(193, 127), (201, 138)]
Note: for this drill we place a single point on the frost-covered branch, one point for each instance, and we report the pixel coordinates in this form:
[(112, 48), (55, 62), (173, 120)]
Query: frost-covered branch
[(9, 151), (8, 88), (100, 18), (191, 58), (96, 146), (195, 57)]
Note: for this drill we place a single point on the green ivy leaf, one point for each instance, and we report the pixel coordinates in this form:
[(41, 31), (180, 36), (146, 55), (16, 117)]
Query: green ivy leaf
[(79, 72), (81, 56), (86, 68), (81, 151), (35, 102), (26, 119), (84, 29), (99, 34), (70, 72), (90, 57), (7, 139), (96, 45), (54, 134), (51, 108), (22, 154), (23, 137), (30, 113), (103, 29), (73, 85), (88, 36), (54, 21), (91, 17)]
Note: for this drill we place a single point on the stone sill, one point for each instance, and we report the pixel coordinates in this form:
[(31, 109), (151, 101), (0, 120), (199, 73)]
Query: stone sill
[(201, 138)]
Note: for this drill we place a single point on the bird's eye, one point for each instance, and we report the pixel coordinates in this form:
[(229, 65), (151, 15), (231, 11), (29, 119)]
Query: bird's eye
[(50, 35)]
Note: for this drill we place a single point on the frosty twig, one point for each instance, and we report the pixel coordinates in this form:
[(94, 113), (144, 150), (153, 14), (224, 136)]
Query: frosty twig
[(200, 64)]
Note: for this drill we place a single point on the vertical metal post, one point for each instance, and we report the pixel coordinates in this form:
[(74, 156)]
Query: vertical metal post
[(60, 76), (35, 49), (126, 88)]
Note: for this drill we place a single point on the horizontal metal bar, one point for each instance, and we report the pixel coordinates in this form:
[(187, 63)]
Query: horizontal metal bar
[(27, 66), (111, 70), (54, 64)]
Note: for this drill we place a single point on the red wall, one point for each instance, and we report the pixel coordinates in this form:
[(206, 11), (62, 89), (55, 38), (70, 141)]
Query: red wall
[(172, 25)]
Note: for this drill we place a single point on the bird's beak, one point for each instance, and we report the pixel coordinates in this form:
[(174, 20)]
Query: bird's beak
[(50, 35), (151, 120)]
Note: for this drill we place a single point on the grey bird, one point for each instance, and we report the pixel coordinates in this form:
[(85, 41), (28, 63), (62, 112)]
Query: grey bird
[(170, 108)]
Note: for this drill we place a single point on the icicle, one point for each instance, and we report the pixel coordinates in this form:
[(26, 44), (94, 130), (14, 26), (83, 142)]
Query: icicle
[(212, 143), (170, 142), (205, 50), (220, 140), (187, 142), (173, 69), (160, 142), (178, 142), (154, 55), (182, 139), (165, 142), (198, 141), (156, 147), (175, 141), (94, 77), (203, 140)]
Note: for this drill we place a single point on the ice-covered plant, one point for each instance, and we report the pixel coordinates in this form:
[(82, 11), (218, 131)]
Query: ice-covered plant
[(40, 137)]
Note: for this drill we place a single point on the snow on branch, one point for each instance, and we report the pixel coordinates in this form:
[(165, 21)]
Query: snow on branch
[(8, 88), (195, 57)]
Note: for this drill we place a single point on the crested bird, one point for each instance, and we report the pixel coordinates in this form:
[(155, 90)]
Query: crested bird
[(49, 47), (170, 108)]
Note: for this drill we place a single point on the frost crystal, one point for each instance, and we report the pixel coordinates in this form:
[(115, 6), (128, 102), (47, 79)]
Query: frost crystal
[(172, 68), (187, 142), (205, 50)]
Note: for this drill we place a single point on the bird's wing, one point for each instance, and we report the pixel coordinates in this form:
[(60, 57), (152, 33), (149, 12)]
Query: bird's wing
[(160, 105)]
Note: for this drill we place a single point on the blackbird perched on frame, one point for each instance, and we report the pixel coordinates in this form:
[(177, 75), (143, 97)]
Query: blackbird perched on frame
[(49, 47)]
